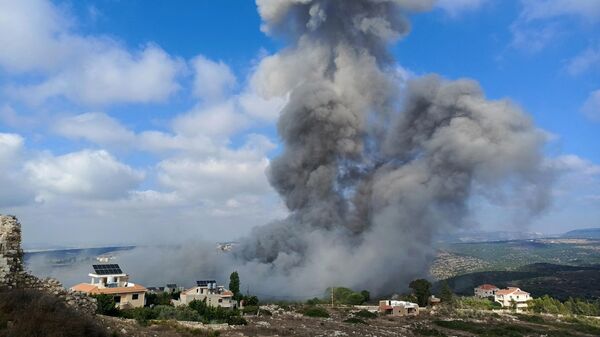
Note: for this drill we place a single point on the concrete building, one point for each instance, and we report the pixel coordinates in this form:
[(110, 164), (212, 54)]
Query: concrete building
[(511, 295), (486, 290), (172, 288), (209, 292), (110, 280), (398, 308)]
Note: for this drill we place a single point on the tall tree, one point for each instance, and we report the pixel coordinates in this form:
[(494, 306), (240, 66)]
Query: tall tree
[(446, 294), (422, 289), (234, 285)]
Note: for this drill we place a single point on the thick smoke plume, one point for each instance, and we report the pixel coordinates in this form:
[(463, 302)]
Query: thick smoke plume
[(371, 172), (371, 176)]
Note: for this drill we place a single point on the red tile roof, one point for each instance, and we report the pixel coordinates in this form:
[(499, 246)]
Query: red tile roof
[(487, 287), (511, 290), (93, 289)]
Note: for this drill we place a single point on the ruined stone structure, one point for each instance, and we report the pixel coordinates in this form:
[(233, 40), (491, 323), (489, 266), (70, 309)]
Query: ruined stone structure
[(11, 254), (13, 275)]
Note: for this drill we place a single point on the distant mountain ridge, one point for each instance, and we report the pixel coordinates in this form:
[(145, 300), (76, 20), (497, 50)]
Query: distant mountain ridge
[(586, 233)]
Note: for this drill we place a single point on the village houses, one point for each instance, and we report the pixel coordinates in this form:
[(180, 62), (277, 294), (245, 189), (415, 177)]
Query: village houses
[(209, 292), (512, 297), (110, 280), (486, 290), (398, 308)]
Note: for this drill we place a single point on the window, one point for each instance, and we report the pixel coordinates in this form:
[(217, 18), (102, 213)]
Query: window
[(220, 300), (135, 296), (117, 299)]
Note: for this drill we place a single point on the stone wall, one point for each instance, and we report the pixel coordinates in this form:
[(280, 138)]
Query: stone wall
[(11, 254), (13, 275)]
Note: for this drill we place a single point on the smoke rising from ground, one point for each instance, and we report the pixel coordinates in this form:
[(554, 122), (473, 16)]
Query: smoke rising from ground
[(371, 173), (371, 176)]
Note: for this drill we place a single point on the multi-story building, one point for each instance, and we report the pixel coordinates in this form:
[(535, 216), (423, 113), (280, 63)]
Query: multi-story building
[(110, 280), (209, 292), (486, 290), (512, 297)]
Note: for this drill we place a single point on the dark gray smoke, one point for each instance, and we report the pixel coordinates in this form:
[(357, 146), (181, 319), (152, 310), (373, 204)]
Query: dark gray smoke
[(371, 176), (372, 171)]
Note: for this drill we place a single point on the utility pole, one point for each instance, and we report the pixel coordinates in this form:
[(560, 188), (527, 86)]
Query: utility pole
[(332, 291)]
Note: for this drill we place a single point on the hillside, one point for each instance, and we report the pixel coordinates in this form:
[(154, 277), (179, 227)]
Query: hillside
[(539, 279), (588, 233), (513, 254)]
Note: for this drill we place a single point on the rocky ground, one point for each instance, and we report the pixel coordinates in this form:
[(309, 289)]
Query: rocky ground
[(291, 323)]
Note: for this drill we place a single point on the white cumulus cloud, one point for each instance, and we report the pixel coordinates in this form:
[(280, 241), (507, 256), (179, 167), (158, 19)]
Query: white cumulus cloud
[(456, 7), (37, 37), (591, 107), (212, 80), (95, 127), (87, 174)]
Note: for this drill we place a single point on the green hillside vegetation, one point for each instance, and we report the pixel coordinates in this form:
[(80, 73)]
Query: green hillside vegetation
[(557, 281), (510, 255)]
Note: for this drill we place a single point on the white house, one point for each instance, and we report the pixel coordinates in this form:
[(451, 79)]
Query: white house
[(209, 292), (108, 279), (511, 295), (486, 290), (398, 308)]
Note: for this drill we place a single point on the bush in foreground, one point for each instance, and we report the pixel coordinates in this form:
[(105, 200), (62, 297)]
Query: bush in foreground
[(34, 314), (355, 320), (365, 314), (106, 305), (315, 312)]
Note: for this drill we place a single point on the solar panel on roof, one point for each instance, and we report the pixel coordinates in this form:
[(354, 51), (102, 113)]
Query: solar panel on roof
[(107, 269)]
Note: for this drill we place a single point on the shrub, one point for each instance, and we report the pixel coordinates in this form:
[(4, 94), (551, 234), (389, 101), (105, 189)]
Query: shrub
[(141, 315), (531, 318), (316, 312), (236, 320), (313, 301), (429, 332), (250, 301), (212, 314), (182, 313), (160, 298), (365, 314), (106, 305), (252, 310), (487, 330), (355, 320), (476, 303), (34, 313)]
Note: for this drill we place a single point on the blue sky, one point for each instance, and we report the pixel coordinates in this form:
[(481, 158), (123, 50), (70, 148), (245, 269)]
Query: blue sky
[(145, 116)]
